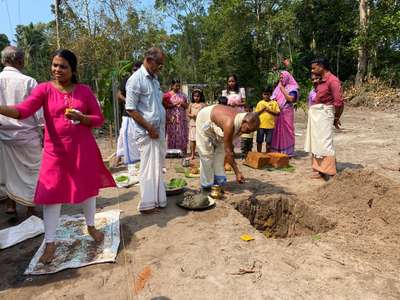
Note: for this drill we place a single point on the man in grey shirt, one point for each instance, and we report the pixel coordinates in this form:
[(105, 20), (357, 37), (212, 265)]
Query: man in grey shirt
[(144, 105)]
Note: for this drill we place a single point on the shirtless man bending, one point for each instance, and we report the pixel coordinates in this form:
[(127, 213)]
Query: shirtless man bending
[(217, 127)]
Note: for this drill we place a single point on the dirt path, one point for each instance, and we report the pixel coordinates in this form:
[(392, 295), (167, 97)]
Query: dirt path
[(338, 240)]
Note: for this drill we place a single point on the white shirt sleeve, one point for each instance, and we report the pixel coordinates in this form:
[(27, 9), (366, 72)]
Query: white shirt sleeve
[(224, 93), (132, 93)]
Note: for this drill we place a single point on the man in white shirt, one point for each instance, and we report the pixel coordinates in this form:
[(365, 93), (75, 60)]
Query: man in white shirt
[(20, 140), (143, 103)]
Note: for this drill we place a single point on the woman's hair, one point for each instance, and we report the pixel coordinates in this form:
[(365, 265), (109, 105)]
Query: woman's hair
[(175, 81), (236, 88), (72, 60), (323, 62), (200, 92)]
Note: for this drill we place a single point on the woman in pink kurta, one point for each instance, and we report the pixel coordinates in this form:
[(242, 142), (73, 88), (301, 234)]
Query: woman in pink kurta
[(72, 169)]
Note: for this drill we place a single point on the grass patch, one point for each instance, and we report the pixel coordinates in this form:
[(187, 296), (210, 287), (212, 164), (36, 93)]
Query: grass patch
[(289, 168)]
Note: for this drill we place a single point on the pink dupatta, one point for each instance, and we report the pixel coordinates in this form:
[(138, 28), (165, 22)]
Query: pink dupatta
[(290, 85)]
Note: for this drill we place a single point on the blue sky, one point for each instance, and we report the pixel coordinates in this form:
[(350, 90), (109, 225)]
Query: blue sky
[(22, 12), (15, 12)]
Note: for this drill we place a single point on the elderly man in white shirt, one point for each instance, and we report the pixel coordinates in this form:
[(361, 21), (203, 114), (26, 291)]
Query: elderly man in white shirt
[(144, 105), (20, 140)]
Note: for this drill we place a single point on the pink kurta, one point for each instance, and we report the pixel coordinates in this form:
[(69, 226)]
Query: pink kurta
[(72, 168)]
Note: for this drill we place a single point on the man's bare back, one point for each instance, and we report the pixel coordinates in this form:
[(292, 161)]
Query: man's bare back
[(224, 117)]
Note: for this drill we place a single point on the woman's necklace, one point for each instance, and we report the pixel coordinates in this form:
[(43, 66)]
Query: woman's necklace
[(68, 92), (64, 89)]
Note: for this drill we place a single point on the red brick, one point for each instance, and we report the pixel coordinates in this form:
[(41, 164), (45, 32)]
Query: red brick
[(278, 160), (256, 160)]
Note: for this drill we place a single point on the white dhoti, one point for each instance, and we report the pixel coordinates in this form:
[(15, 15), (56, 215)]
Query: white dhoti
[(152, 189), (210, 146), (19, 171), (126, 145), (319, 138)]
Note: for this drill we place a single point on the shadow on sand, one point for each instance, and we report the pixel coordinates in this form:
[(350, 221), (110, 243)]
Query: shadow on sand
[(14, 260)]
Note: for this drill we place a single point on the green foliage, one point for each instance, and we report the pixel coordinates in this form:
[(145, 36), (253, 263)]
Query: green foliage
[(3, 41), (210, 39), (33, 39), (384, 40)]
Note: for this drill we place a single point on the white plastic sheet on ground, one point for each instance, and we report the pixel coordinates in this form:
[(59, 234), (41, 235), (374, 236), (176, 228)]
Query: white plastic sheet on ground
[(76, 248), (29, 228)]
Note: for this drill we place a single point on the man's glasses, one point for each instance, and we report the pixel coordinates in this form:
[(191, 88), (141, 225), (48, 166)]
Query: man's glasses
[(159, 64)]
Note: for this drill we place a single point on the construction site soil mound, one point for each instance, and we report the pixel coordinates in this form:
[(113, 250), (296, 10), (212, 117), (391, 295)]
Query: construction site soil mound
[(366, 207), (374, 95), (362, 194)]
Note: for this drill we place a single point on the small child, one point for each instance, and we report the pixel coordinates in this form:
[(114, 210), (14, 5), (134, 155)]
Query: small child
[(247, 138), (198, 103), (267, 109)]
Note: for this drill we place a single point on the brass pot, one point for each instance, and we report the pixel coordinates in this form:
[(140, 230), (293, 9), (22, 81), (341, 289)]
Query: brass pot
[(216, 192)]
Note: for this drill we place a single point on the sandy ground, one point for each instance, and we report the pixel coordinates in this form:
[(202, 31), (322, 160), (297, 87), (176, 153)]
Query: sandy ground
[(343, 241)]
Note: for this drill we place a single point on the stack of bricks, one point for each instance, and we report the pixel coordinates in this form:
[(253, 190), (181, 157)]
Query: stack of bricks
[(259, 160)]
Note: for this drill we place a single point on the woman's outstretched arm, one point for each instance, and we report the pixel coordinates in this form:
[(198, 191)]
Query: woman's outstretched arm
[(9, 111)]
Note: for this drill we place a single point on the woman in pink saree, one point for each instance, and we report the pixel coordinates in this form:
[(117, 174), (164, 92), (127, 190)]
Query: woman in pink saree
[(175, 104), (72, 170), (285, 93)]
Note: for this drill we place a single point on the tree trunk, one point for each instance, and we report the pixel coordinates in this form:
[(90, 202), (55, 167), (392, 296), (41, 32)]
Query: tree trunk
[(362, 50), (56, 7), (338, 55)]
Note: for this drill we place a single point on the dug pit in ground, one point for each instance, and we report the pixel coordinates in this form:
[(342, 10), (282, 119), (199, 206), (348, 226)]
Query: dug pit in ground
[(282, 216)]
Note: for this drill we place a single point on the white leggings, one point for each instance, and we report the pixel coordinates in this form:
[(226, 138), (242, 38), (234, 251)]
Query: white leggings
[(51, 215)]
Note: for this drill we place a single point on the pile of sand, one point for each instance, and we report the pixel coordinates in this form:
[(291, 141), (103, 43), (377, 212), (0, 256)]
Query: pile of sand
[(375, 95), (366, 208), (362, 193)]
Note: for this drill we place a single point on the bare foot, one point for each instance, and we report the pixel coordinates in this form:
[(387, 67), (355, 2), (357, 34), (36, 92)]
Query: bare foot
[(48, 253), (97, 235)]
